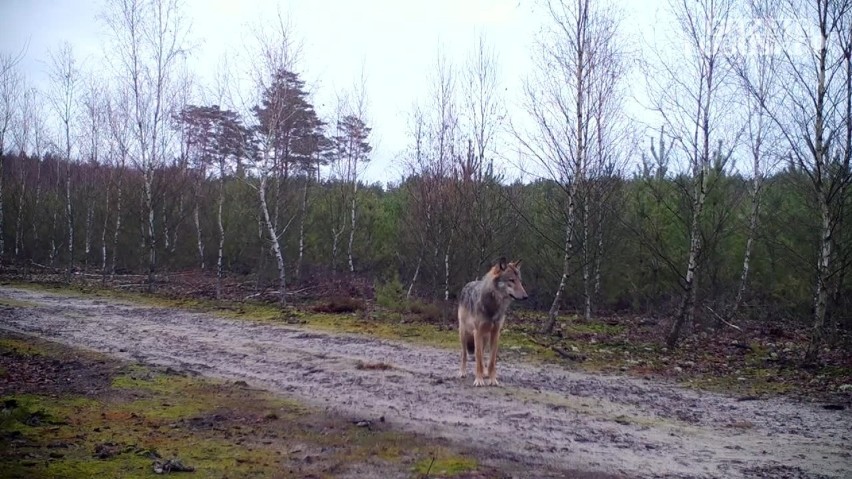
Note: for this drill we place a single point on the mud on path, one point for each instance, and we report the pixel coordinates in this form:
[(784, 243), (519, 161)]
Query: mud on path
[(545, 420)]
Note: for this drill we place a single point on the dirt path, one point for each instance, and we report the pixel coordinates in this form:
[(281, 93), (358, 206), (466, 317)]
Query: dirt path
[(543, 418)]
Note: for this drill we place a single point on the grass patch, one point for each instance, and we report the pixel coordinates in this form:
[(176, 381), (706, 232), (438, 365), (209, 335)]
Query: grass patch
[(14, 303), (592, 327), (447, 466), (22, 347)]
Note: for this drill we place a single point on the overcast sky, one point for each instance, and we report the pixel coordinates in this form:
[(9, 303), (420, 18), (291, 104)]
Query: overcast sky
[(396, 41)]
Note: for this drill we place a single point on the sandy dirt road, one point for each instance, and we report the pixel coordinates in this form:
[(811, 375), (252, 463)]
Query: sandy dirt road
[(545, 420)]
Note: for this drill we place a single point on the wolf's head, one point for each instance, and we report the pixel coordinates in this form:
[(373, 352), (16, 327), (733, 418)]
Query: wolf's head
[(507, 279)]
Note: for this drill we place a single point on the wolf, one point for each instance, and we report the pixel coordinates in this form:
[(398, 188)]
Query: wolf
[(482, 310)]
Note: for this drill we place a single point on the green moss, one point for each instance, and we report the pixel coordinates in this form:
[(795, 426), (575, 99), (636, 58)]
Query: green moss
[(128, 466), (21, 347), (592, 327), (754, 382), (52, 410), (14, 303), (140, 377), (447, 466)]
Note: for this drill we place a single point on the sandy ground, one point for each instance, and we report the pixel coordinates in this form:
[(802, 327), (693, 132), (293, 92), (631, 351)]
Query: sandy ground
[(546, 420)]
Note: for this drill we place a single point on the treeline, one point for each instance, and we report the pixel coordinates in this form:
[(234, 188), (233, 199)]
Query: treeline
[(730, 198), (635, 268)]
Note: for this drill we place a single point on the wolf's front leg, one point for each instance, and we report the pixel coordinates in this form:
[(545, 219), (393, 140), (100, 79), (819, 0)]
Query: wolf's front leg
[(477, 346), (492, 361)]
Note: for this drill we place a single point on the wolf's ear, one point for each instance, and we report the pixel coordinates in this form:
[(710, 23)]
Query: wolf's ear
[(502, 263), (517, 263)]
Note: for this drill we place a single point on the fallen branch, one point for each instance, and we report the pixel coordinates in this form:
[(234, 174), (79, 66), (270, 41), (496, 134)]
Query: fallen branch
[(720, 318), (172, 465), (45, 267), (556, 349), (273, 292)]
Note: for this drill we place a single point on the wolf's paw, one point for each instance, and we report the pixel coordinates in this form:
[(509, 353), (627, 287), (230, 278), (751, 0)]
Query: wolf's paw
[(461, 374), (479, 382), (493, 382)]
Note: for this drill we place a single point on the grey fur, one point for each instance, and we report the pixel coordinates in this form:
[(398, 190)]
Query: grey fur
[(482, 310)]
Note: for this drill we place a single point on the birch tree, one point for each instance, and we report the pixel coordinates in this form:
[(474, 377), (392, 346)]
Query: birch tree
[(606, 145), (358, 148), (688, 92), (487, 216), (120, 137), (284, 131), (755, 64), (419, 210), (814, 46), (275, 59), (26, 120), (215, 137), (434, 167), (65, 79), (148, 38), (570, 59), (351, 150), (9, 89), (92, 121)]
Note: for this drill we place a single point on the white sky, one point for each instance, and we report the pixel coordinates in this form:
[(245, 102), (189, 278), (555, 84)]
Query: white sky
[(396, 41)]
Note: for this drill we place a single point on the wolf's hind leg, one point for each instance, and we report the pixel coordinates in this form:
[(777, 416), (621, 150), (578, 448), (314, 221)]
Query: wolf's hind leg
[(463, 338)]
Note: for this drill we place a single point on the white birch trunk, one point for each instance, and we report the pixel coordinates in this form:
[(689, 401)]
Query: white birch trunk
[(600, 248), (587, 286), (19, 235), (566, 265), (2, 206), (54, 251), (447, 272), (104, 248), (304, 219), (221, 224), (166, 231), (752, 231), (117, 230), (414, 278), (151, 239), (335, 241), (87, 245), (176, 229), (70, 220), (352, 225), (36, 200), (687, 308), (273, 239), (104, 227), (823, 275), (198, 236), (820, 152)]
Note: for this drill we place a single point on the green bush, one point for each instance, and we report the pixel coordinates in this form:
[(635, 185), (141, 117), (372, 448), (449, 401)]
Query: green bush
[(428, 312), (390, 294)]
